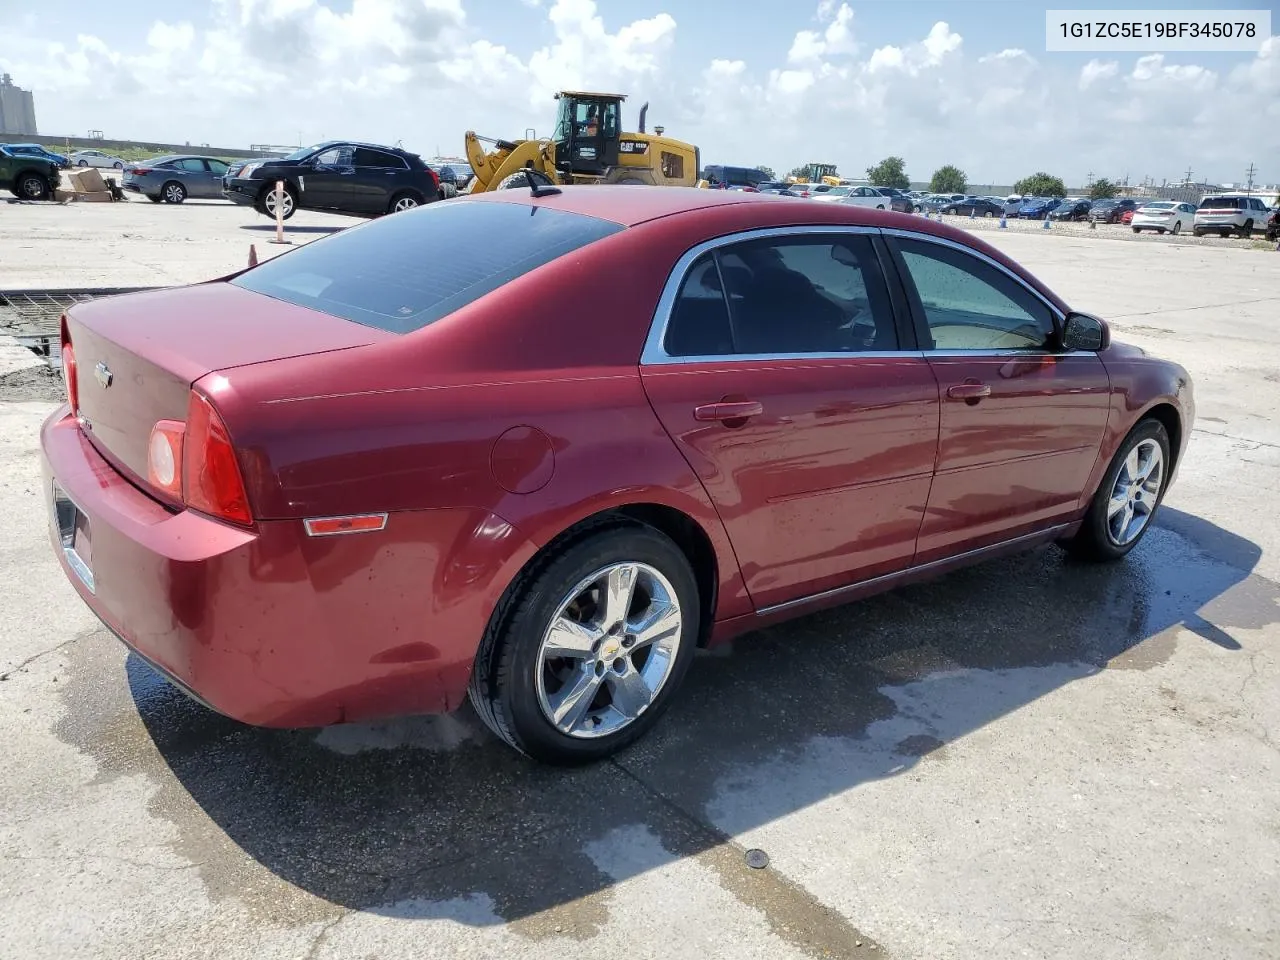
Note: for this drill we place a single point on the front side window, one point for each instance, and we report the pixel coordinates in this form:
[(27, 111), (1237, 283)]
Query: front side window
[(970, 305), (217, 167), (335, 157), (808, 294)]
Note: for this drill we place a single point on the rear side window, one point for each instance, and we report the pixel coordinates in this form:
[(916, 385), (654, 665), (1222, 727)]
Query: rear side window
[(401, 273), (786, 295)]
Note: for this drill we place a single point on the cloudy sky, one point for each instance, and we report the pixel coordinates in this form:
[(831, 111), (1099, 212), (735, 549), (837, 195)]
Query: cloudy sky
[(967, 83)]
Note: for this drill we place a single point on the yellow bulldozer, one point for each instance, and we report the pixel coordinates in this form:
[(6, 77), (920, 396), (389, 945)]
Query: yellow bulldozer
[(587, 146)]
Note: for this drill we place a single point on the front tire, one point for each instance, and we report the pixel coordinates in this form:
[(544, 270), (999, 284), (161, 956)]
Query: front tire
[(32, 186), (586, 650), (82, 163), (173, 192), (289, 202), (1246, 231), (1177, 227), (1128, 496)]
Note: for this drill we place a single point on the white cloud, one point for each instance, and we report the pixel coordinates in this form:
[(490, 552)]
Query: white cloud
[(423, 71)]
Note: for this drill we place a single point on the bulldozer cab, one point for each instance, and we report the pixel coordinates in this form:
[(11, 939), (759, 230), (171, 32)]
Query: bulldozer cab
[(588, 129)]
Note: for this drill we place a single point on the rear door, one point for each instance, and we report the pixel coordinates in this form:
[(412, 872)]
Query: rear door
[(799, 402), (213, 182), (1022, 422), (379, 175)]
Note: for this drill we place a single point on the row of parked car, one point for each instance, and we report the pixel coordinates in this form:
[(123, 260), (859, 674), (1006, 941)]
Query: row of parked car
[(337, 176), (1223, 214), (81, 158)]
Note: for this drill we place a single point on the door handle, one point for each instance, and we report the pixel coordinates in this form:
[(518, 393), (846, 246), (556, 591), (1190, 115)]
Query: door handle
[(728, 410), (972, 392)]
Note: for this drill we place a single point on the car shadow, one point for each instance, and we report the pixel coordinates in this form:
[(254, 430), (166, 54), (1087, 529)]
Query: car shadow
[(300, 228), (420, 817)]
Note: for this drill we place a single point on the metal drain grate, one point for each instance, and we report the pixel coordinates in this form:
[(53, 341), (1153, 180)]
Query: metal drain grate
[(35, 313)]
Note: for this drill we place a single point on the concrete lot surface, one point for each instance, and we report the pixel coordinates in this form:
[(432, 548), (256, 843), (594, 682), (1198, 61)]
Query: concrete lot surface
[(1032, 758)]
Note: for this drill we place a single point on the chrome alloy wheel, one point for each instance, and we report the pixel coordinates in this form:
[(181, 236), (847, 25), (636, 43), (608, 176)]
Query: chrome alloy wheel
[(1136, 492), (286, 202), (404, 203), (174, 193), (609, 649)]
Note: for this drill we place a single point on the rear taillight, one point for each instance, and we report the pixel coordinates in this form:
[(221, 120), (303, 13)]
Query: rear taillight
[(211, 480), (138, 170), (435, 177), (69, 369), (164, 457)]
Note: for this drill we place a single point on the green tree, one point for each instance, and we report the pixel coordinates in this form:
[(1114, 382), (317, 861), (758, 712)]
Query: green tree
[(1040, 185), (801, 171), (890, 172), (767, 170), (948, 179), (1102, 189)]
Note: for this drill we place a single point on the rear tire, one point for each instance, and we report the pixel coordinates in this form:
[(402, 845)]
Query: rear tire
[(118, 165), (517, 686), (82, 163), (1097, 539), (31, 186), (173, 192), (522, 178), (1139, 230), (405, 200)]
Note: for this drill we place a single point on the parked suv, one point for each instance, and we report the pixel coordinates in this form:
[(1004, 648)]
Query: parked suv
[(27, 177), (361, 179), (1230, 213), (721, 176)]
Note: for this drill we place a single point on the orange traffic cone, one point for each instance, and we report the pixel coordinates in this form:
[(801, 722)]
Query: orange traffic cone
[(253, 256)]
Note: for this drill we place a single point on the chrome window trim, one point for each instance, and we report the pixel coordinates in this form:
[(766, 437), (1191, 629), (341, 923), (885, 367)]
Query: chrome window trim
[(655, 354)]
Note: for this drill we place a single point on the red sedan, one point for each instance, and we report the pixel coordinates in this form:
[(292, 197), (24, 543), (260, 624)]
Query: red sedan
[(535, 449)]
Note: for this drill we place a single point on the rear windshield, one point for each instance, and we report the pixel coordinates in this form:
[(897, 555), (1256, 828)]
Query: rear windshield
[(1220, 203), (409, 269)]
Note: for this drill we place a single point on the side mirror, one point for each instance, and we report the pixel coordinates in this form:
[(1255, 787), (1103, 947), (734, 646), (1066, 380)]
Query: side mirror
[(1084, 331)]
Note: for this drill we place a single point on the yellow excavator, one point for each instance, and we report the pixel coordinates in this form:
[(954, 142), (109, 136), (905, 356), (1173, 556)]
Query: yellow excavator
[(587, 146)]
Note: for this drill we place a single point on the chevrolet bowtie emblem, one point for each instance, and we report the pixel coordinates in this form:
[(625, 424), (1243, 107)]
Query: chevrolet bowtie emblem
[(102, 373)]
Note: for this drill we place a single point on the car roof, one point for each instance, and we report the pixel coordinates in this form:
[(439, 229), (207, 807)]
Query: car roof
[(632, 205)]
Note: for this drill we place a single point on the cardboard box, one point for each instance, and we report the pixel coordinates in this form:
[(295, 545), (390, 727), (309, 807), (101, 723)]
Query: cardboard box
[(87, 180), (97, 196)]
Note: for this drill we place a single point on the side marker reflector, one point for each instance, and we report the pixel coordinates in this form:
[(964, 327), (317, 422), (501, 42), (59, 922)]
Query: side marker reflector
[(332, 526)]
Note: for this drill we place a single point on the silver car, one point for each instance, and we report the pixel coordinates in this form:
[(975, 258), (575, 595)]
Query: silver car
[(95, 158), (175, 178)]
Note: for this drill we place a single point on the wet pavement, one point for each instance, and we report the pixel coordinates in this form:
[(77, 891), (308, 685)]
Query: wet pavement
[(1033, 757)]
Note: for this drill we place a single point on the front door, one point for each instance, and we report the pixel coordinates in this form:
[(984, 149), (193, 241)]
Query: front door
[(781, 375), (1022, 421), (327, 184)]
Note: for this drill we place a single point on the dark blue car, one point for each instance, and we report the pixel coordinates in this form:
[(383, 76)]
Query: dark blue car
[(35, 150), (1038, 207)]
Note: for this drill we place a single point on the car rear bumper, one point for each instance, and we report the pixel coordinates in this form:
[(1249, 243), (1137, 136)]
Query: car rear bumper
[(267, 625)]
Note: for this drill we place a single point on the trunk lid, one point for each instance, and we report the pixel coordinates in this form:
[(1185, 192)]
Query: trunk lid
[(138, 354)]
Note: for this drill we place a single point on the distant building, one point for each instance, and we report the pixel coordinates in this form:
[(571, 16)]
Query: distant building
[(17, 109)]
